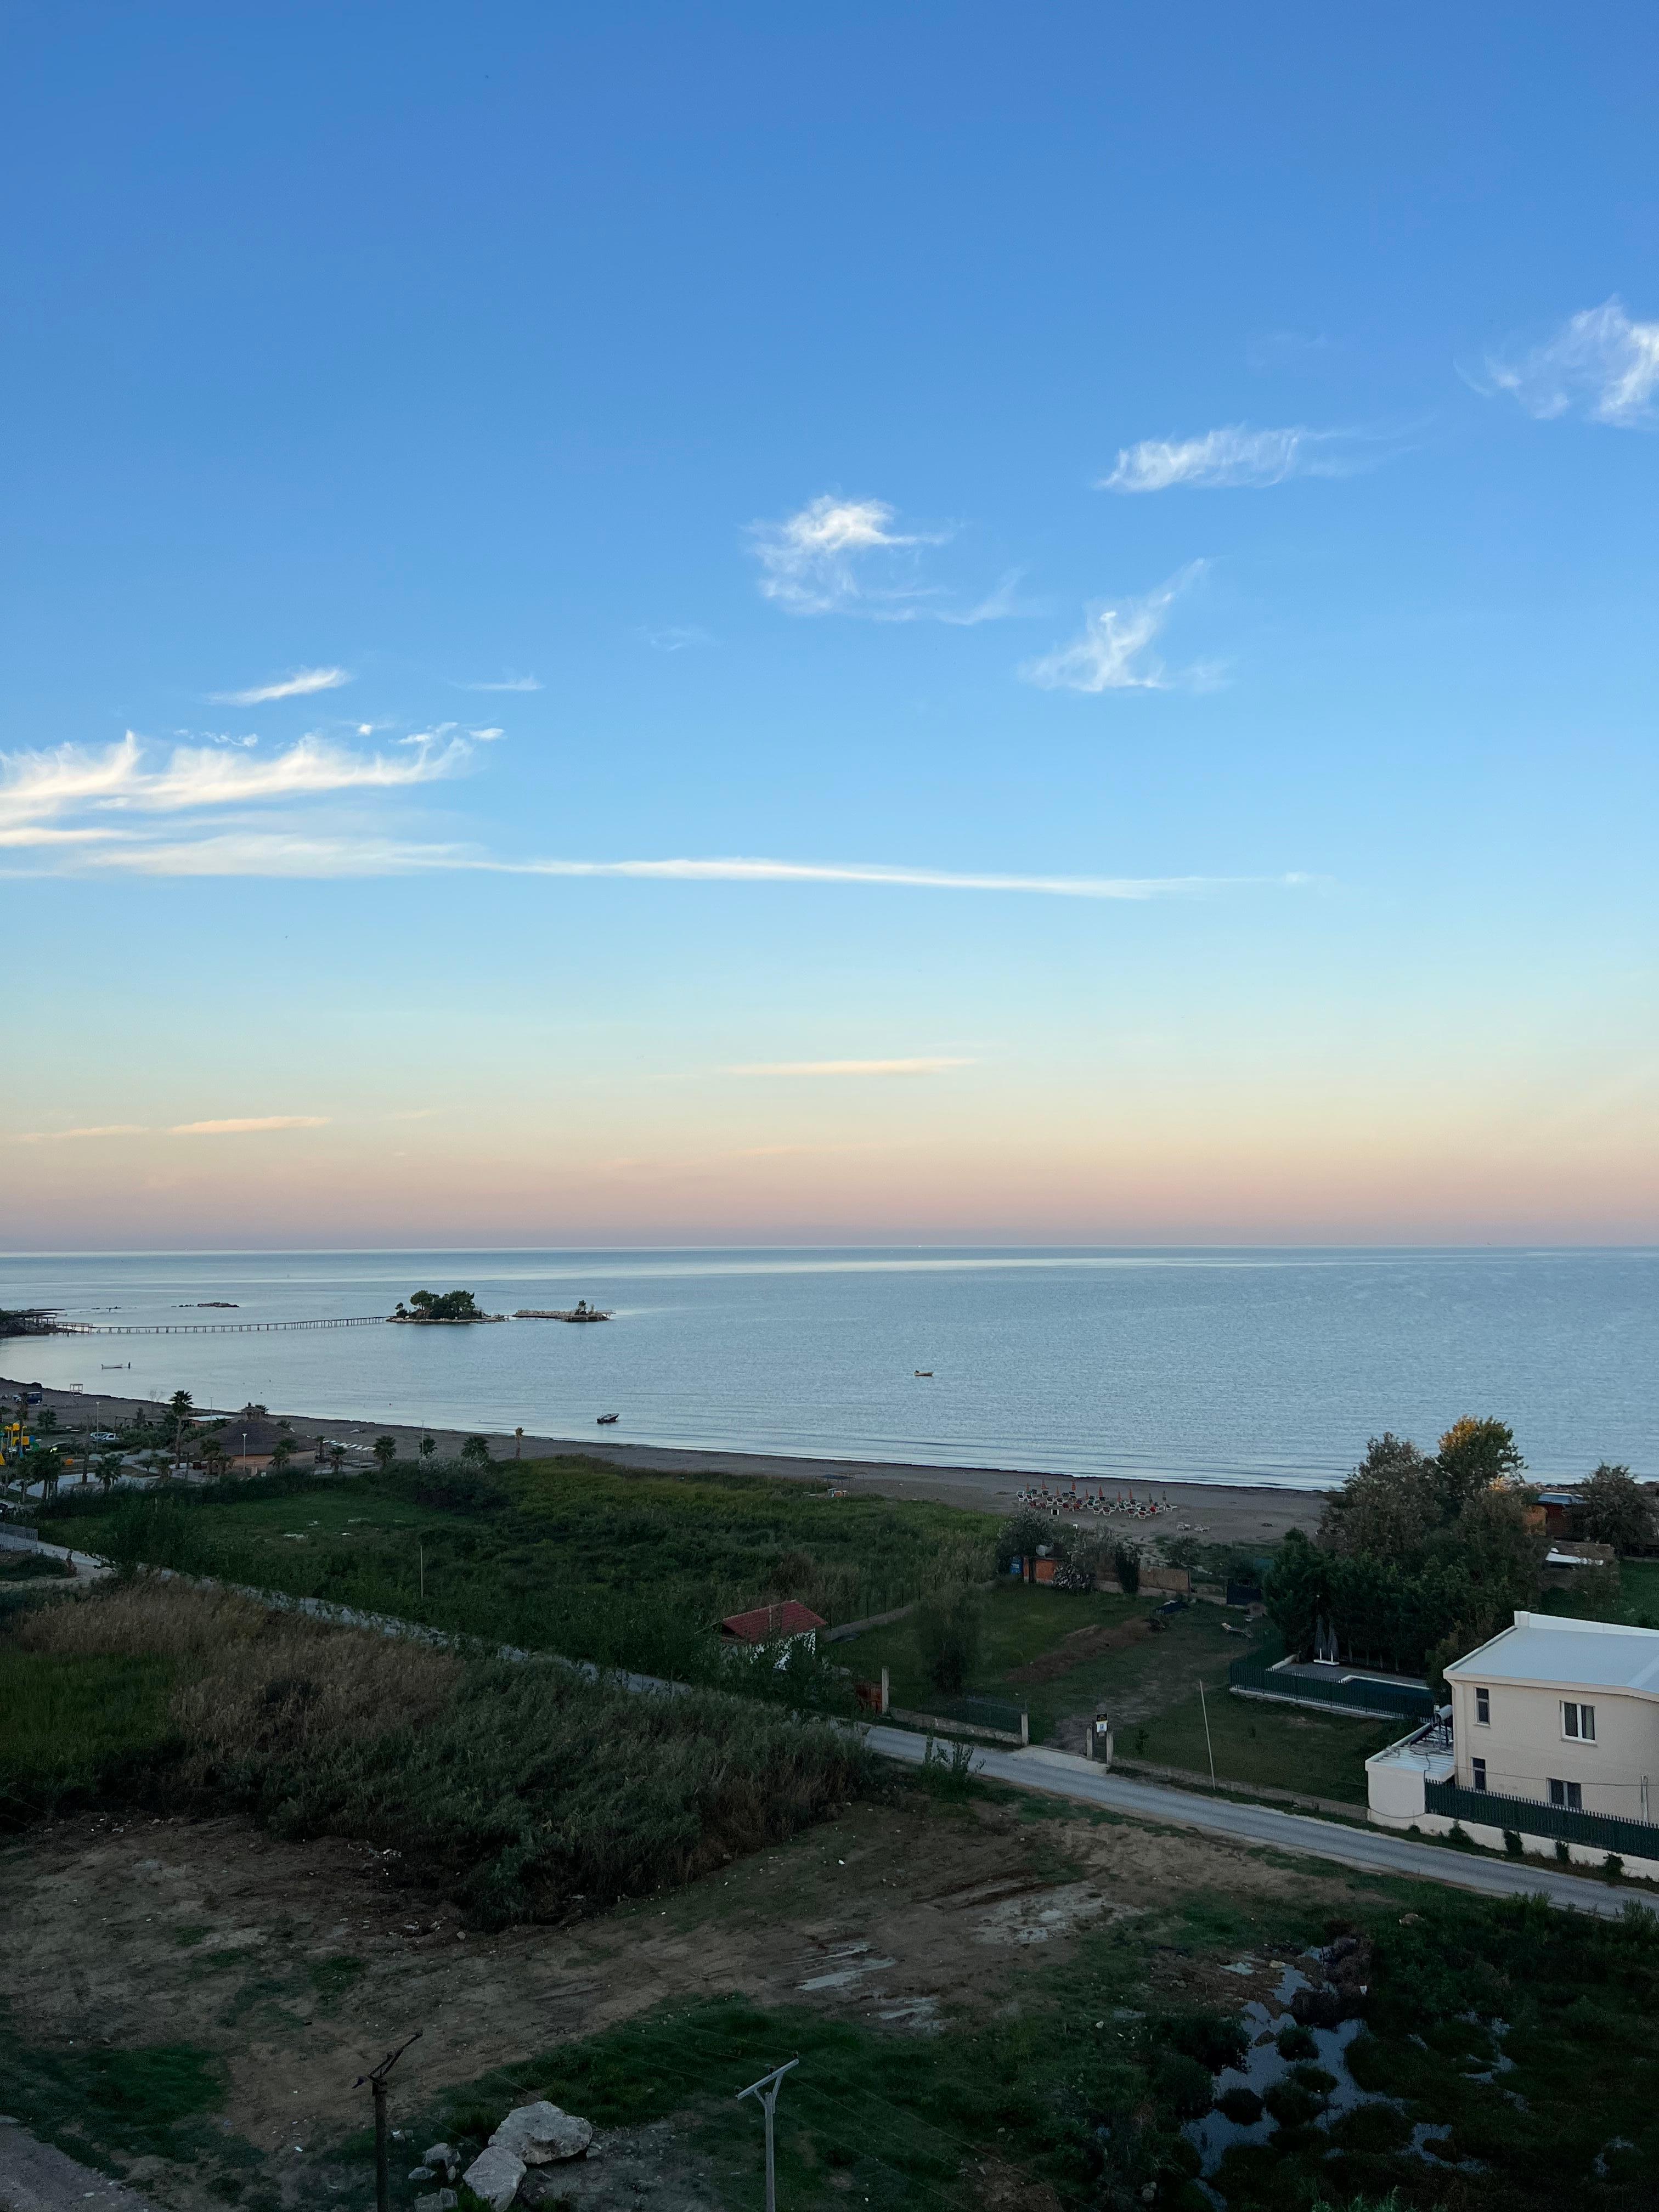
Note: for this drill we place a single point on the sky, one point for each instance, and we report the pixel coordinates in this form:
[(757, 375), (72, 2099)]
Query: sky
[(727, 624)]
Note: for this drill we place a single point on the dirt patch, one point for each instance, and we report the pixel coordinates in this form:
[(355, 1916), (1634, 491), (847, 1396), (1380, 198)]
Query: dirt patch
[(295, 1964), (1082, 1644)]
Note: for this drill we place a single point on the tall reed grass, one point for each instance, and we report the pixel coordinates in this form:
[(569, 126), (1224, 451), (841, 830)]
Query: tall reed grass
[(523, 1790)]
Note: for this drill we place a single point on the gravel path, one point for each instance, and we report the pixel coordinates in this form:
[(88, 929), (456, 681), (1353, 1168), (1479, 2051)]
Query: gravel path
[(35, 2177)]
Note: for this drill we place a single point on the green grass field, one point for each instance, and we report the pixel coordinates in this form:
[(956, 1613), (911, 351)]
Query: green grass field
[(564, 1555), (1023, 1621), (1256, 1743)]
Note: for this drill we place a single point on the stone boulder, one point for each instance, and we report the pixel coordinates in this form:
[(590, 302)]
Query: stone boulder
[(495, 2175), (542, 2134)]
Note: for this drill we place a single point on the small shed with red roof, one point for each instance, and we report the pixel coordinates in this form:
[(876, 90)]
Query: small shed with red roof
[(774, 1624)]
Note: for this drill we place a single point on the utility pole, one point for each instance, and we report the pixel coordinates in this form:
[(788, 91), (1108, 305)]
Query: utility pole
[(1204, 1707), (376, 2080), (767, 2090)]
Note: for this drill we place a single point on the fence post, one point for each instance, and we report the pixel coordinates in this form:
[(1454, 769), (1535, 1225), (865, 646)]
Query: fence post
[(1025, 1726), (884, 1689)]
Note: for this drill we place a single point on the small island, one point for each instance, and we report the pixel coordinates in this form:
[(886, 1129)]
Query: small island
[(442, 1306), (580, 1311)]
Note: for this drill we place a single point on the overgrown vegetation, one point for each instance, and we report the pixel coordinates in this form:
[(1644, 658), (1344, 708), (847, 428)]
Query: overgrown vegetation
[(522, 1791), (565, 1555)]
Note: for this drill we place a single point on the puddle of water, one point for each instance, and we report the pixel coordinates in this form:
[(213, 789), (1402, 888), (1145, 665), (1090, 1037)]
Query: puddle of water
[(1264, 2067)]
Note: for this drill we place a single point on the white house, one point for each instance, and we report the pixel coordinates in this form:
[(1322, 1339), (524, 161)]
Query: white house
[(1561, 1712)]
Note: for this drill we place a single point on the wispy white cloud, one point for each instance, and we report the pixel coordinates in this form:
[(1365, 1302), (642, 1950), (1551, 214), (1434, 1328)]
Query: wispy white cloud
[(249, 1125), (1233, 458), (505, 684), (678, 637), (1113, 653), (299, 685), (36, 787), (1600, 364), (283, 853), (66, 1136), (245, 1126), (843, 557), (928, 1066)]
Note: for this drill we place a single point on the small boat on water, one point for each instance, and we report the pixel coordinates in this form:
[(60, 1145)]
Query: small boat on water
[(925, 1374), (605, 1419)]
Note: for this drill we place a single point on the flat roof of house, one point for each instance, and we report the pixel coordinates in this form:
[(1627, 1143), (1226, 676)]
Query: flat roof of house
[(1550, 1648)]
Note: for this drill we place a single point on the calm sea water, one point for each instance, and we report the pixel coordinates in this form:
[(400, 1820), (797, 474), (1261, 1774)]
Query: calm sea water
[(1262, 1366)]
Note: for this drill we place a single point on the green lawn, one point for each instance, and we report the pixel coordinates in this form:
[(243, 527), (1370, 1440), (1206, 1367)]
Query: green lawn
[(1277, 1747), (1022, 1620)]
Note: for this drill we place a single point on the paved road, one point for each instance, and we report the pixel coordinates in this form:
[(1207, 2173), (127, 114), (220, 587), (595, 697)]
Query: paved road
[(1375, 1850)]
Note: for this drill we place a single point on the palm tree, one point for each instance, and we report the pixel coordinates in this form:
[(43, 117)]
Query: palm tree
[(385, 1451), (183, 1410)]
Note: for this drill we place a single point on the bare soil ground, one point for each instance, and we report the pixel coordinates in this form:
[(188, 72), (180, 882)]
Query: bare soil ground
[(296, 1965)]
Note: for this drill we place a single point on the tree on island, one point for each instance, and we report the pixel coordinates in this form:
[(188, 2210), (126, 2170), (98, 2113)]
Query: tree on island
[(440, 1305)]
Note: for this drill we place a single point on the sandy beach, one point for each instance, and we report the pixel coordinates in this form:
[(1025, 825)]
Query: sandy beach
[(1221, 1512)]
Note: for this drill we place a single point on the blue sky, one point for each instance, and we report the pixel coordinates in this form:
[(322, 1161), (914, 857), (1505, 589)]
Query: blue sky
[(1178, 486)]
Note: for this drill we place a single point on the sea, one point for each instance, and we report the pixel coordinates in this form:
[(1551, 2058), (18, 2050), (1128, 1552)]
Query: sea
[(1227, 1366)]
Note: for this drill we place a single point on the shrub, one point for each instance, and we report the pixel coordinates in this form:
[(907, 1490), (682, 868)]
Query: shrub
[(1183, 2083), (1292, 2105), (947, 1634), (1513, 1844), (1126, 1564), (1297, 2043), (1215, 2039), (1020, 1535), (1613, 1866), (1242, 2106)]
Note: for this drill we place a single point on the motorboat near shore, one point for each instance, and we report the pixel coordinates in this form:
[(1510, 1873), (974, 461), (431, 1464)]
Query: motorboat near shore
[(580, 1311)]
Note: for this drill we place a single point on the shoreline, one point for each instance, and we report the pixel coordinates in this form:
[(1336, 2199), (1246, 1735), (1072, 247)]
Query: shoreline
[(1221, 1512)]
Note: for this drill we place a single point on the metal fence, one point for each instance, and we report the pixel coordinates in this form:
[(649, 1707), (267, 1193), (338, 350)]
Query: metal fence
[(1602, 1832), (1256, 1678)]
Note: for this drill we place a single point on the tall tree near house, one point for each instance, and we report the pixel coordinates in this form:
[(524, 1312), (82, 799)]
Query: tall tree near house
[(1615, 1508), (281, 1452), (1388, 1504), (1473, 1455)]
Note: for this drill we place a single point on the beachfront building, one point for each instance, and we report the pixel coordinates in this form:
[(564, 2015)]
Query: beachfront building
[(1552, 1736)]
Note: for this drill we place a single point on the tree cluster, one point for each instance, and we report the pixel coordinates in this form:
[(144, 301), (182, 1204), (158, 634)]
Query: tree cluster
[(1418, 1557), (441, 1305)]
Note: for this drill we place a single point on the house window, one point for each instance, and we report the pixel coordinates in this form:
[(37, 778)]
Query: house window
[(1479, 1770), (1483, 1707), (1578, 1722), (1568, 1795)]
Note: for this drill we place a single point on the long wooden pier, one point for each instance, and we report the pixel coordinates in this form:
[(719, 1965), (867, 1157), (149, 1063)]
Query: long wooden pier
[(208, 1328)]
